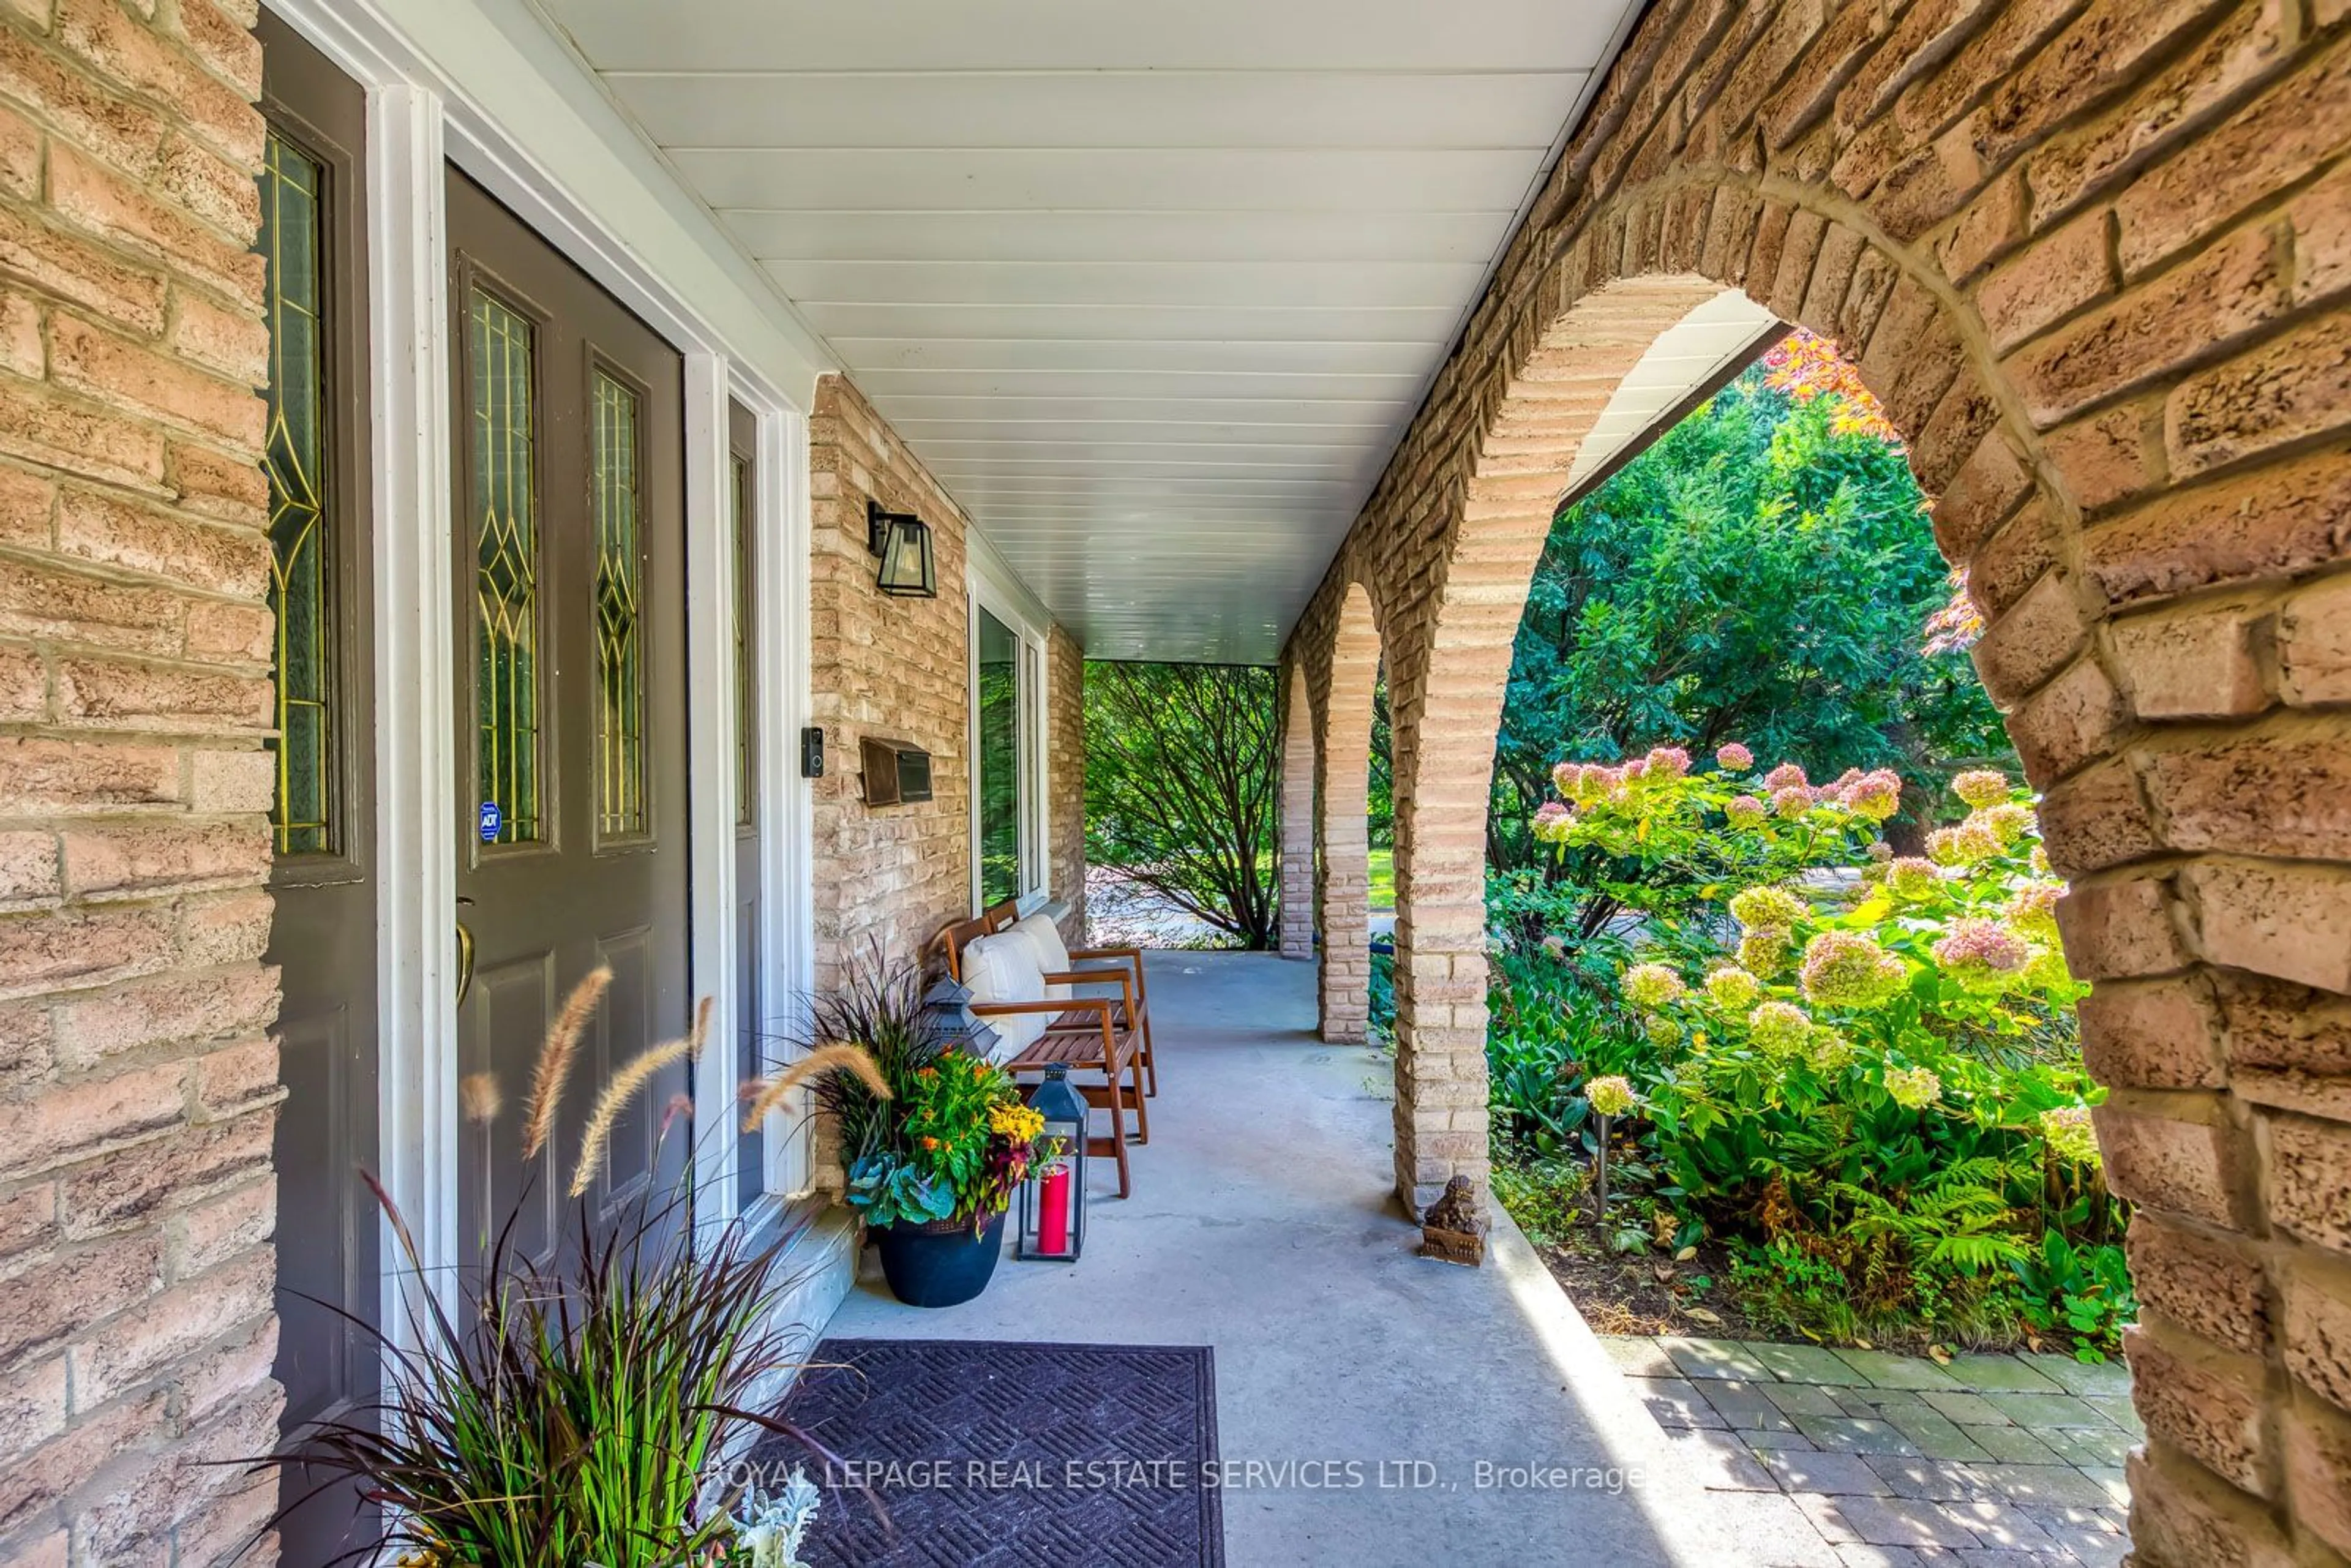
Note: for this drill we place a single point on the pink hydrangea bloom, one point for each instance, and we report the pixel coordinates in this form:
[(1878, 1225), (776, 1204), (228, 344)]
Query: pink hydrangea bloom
[(1877, 796), (1567, 776), (1846, 969), (1792, 801), (1745, 810), (1667, 762), (1551, 821), (1787, 776), (1981, 952), (1734, 758), (1632, 769), (1981, 787)]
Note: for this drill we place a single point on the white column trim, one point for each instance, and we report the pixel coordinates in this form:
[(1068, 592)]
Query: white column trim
[(416, 713), (709, 609), (787, 801)]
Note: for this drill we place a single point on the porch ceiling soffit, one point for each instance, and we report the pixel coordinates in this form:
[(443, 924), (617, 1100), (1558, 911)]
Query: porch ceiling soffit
[(1154, 291)]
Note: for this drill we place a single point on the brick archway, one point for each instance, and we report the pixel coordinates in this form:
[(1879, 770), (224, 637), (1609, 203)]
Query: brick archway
[(1344, 676), (2099, 274), (1297, 817)]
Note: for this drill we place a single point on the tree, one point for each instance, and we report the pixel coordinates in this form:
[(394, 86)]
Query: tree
[(1181, 778), (1763, 572)]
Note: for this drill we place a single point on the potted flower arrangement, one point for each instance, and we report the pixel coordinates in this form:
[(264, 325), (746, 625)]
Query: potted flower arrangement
[(932, 1166)]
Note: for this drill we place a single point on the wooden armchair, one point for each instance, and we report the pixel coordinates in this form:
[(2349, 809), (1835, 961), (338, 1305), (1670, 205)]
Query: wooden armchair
[(1090, 1034), (1098, 966)]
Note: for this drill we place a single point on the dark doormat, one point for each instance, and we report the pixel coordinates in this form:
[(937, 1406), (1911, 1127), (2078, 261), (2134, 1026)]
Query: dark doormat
[(988, 1454)]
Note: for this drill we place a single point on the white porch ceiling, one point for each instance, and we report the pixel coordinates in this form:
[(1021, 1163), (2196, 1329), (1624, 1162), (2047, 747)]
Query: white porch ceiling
[(1152, 289)]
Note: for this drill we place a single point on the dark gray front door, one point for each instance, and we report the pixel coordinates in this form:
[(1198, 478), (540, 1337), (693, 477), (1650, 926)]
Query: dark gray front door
[(571, 585), (314, 237)]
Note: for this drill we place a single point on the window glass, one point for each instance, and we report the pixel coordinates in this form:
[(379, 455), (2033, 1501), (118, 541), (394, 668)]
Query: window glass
[(619, 642), (501, 345), (998, 759), (299, 585)]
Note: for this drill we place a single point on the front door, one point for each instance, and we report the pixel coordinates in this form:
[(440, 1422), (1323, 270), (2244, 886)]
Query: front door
[(313, 240), (571, 586)]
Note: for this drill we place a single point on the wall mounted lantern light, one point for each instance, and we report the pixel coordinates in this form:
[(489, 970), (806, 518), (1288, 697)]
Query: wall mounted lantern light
[(902, 541)]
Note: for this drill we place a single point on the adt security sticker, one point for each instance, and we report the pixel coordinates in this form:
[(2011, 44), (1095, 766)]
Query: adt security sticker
[(493, 819)]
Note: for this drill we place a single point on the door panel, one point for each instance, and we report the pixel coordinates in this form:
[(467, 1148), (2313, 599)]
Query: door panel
[(570, 572), (322, 816)]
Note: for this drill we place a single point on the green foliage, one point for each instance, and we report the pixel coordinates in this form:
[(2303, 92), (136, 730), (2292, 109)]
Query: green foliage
[(1858, 1064), (2083, 1293), (1181, 774), (953, 1139), (1763, 570)]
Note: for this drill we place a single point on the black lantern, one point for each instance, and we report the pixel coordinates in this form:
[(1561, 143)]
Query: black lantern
[(1054, 1199), (946, 1013), (902, 541)]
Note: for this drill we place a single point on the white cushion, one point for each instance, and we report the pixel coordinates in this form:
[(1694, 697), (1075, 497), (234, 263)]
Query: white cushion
[(1003, 968), (1044, 939)]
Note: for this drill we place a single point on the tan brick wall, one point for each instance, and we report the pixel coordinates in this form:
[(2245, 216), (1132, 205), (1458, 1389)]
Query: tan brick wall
[(1065, 780), (2096, 259), (899, 668), (137, 1084)]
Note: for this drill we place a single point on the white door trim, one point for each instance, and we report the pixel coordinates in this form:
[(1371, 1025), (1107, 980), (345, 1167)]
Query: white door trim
[(420, 123)]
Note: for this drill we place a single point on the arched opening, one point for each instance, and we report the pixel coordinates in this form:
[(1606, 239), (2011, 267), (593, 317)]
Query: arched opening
[(1297, 818), (1342, 893)]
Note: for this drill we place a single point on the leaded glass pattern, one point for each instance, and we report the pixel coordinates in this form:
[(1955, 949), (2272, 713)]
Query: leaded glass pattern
[(502, 344), (301, 813), (620, 597), (747, 712)]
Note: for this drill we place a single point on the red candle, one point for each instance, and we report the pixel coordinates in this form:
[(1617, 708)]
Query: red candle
[(1053, 1213)]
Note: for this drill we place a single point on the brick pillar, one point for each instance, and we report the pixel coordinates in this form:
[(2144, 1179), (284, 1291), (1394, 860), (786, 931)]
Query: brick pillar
[(1343, 887), (1297, 818), (138, 1085)]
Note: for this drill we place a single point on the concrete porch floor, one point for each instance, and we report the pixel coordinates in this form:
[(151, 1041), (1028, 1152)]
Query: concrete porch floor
[(1263, 1225)]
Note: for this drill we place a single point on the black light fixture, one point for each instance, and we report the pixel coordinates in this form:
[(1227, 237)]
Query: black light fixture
[(902, 541)]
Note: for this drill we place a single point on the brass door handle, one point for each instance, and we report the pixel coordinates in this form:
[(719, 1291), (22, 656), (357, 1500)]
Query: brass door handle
[(464, 961)]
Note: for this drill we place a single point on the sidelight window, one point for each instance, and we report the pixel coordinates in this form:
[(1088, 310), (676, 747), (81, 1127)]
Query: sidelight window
[(300, 582)]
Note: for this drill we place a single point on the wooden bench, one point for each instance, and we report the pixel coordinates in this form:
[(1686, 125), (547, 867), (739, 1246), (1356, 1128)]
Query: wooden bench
[(1100, 966), (1086, 1034)]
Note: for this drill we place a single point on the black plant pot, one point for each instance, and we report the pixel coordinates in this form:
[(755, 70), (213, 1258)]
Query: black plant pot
[(940, 1264)]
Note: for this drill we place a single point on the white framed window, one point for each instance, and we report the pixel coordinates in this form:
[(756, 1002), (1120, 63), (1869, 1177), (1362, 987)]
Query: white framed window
[(1009, 824)]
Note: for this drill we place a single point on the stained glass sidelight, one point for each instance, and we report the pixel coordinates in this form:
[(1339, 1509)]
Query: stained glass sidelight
[(506, 579), (747, 712), (619, 596), (302, 815)]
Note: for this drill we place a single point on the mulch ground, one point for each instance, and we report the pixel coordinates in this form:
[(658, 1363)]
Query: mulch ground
[(1649, 1293)]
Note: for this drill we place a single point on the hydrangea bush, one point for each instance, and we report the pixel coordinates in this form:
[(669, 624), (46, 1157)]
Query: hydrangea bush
[(1850, 1056)]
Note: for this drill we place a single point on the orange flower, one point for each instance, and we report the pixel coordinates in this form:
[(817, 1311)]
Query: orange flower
[(930, 1143)]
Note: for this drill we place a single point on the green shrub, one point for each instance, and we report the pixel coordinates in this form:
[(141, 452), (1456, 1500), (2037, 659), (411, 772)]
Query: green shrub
[(1863, 1066)]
